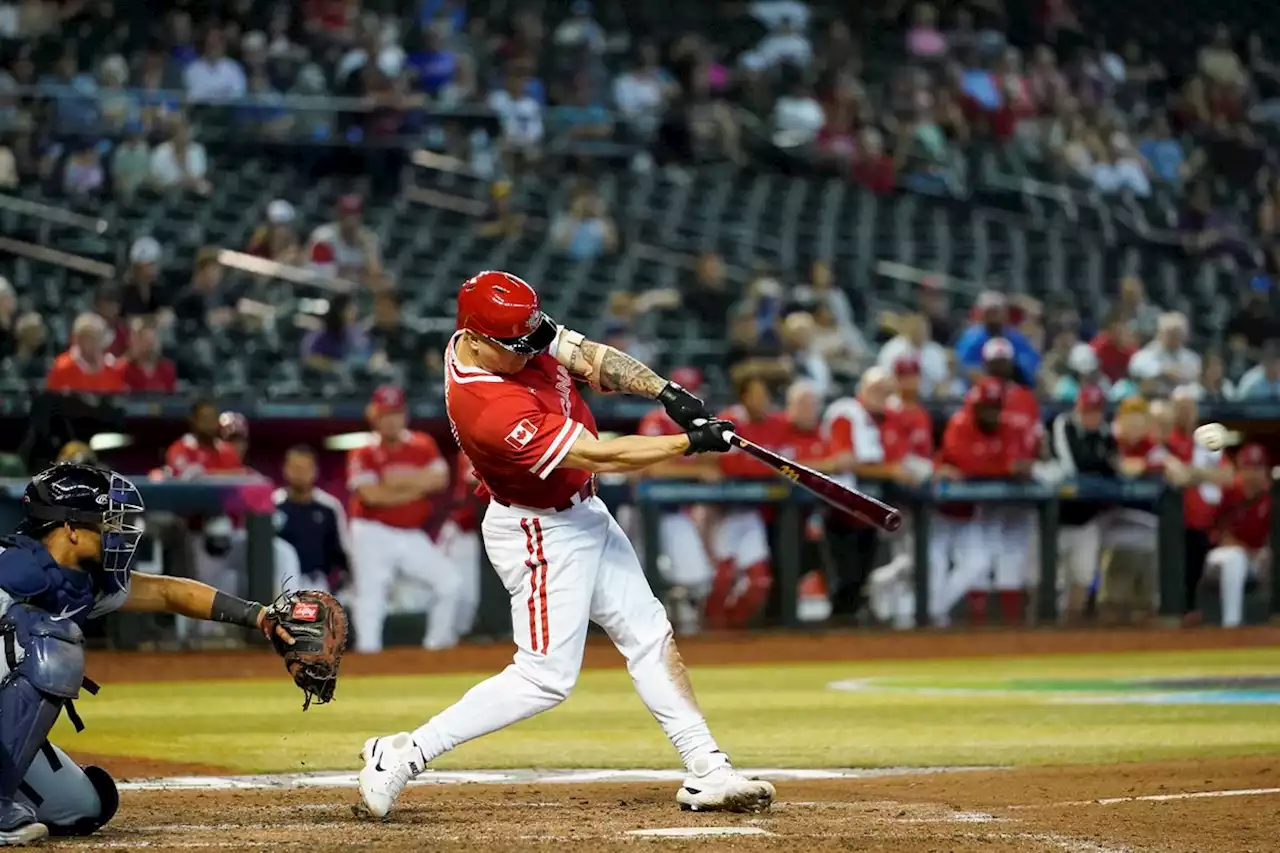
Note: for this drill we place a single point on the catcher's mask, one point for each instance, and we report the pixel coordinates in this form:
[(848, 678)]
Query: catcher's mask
[(92, 498)]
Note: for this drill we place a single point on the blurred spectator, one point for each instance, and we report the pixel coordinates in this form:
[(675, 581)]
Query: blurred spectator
[(203, 306), (214, 76), (580, 29), (345, 248), (1214, 384), (340, 340), (28, 359), (642, 93), (82, 174), (586, 231), (180, 163), (1262, 381), (263, 111), (798, 341), (158, 106), (107, 305), (1252, 324), (822, 297), (706, 294), (1209, 233), (75, 109), (117, 105), (583, 115), (143, 292), (439, 69), (1164, 153), (146, 370), (1219, 62), (913, 343), (1136, 308), (1082, 370), (1168, 356), (1115, 345), (751, 355), (872, 166), (130, 162), (277, 238), (314, 123), (797, 115), (86, 367), (1120, 168), (785, 44), (520, 117), (8, 167), (924, 41), (501, 217), (8, 317), (993, 311), (390, 340)]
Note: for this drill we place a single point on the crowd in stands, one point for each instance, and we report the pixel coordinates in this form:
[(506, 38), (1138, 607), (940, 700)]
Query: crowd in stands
[(102, 102)]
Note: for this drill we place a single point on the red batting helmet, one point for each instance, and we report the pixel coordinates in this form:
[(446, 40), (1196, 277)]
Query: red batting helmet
[(233, 425), (504, 309)]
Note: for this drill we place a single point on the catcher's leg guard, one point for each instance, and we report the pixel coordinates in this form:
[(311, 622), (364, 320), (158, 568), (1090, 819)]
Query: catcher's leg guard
[(68, 799), (44, 659)]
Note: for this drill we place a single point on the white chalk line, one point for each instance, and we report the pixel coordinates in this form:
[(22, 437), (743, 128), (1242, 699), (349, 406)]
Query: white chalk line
[(1153, 798)]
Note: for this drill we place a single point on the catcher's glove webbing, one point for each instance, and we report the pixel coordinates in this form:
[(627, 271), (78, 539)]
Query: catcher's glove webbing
[(318, 625)]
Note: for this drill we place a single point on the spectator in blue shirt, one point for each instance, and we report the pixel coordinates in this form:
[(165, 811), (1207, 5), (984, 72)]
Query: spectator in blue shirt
[(995, 324), (340, 340), (435, 64), (76, 106), (1163, 151), (1262, 382)]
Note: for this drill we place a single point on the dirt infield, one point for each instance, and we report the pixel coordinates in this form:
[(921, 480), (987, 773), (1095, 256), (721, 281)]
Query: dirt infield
[(708, 649), (1041, 810)]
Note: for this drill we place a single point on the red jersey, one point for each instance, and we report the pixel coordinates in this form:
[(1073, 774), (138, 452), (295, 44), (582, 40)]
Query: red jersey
[(658, 422), (851, 428), (367, 465), (160, 378), (769, 431), (803, 445), (465, 503), (1022, 409), (907, 431), (188, 457), (1199, 503), (1146, 449), (1247, 520), (980, 455), (518, 428)]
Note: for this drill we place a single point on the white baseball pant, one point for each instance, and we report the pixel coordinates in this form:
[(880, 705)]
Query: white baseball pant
[(741, 536), (1013, 531), (463, 549), (977, 548), (380, 554), (947, 539), (1232, 567), (564, 570), (1079, 554), (686, 563)]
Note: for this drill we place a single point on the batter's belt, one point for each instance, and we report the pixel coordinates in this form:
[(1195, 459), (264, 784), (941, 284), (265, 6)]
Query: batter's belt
[(587, 491)]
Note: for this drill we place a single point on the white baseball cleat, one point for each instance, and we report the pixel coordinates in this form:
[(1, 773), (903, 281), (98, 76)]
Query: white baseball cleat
[(714, 786), (389, 763)]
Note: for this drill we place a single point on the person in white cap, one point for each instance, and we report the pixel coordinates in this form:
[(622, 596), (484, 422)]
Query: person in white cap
[(277, 239), (1168, 356), (993, 310), (140, 294)]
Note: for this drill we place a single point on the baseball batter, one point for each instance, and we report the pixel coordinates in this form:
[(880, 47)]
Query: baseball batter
[(392, 482), (68, 562), (512, 401)]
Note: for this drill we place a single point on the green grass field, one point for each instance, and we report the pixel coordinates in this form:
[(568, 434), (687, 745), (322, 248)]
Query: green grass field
[(980, 711)]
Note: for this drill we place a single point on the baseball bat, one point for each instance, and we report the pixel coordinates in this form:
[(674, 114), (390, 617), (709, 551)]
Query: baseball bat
[(861, 506)]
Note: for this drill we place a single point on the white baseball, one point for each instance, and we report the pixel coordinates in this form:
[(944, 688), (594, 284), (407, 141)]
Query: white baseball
[(1211, 436)]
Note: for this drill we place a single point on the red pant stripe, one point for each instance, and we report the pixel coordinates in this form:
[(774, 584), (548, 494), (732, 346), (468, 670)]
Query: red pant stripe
[(533, 583), (542, 587)]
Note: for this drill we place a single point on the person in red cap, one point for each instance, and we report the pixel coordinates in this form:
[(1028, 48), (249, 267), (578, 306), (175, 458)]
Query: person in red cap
[(516, 410), (233, 428), (980, 443), (685, 562), (344, 248), (908, 431), (1242, 533), (1081, 445), (393, 482), (1018, 565)]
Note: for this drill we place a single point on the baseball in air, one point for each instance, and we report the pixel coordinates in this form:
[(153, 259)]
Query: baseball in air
[(1211, 436)]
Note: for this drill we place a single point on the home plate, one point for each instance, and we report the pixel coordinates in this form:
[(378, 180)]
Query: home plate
[(697, 831)]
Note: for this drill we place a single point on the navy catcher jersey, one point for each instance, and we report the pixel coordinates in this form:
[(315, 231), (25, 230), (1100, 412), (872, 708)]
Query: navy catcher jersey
[(29, 573)]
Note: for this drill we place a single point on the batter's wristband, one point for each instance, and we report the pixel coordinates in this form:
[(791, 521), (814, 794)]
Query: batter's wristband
[(237, 611)]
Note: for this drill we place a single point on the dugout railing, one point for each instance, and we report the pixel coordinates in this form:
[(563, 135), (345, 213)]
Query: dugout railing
[(652, 497)]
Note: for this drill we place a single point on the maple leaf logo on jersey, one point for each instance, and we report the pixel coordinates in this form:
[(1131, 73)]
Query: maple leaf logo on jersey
[(522, 434)]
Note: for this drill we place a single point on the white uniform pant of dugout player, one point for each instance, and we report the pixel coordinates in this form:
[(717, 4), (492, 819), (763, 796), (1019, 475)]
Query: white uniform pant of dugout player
[(991, 550), (1232, 567), (742, 537), (462, 548), (381, 554), (564, 570)]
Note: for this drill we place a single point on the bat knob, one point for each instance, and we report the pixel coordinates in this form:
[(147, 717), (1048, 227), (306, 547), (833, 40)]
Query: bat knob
[(893, 521)]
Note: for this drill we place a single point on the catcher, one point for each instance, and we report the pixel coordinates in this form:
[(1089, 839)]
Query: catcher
[(68, 562)]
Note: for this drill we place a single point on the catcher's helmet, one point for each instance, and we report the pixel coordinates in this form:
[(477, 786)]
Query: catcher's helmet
[(87, 497), (233, 425), (504, 309)]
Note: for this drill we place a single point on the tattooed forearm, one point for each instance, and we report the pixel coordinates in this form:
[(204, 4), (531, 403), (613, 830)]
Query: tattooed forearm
[(618, 371)]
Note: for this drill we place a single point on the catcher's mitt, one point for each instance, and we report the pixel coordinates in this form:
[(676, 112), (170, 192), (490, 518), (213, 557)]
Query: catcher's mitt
[(318, 625)]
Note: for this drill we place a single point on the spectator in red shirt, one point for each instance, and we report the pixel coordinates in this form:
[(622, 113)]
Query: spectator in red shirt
[(345, 248), (872, 166), (146, 370), (1242, 532), (86, 366), (1115, 345)]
